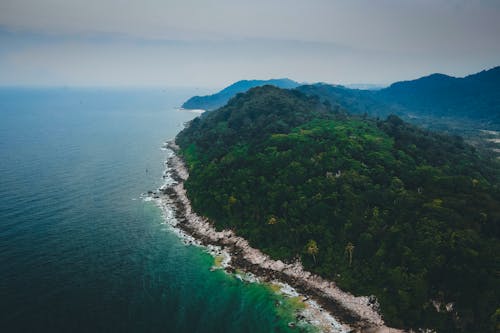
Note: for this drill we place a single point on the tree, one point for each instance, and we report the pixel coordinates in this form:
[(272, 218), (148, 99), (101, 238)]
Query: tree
[(312, 249), (349, 249)]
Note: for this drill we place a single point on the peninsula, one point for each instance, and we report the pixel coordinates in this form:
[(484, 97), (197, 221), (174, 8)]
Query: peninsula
[(376, 207)]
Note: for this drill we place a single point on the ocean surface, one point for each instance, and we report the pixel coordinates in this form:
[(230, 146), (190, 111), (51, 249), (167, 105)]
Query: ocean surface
[(80, 251)]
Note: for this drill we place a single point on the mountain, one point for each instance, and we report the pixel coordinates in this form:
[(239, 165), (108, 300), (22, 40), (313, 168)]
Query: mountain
[(475, 96), (381, 207), (437, 101), (434, 99), (219, 99)]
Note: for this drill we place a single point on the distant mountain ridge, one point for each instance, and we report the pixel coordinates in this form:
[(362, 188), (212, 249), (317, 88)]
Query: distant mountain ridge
[(475, 97), (465, 106), (219, 99), (434, 100)]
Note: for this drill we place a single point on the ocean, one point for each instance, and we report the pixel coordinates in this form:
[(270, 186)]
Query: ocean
[(80, 251)]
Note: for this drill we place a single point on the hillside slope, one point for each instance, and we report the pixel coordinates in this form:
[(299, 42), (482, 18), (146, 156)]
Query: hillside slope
[(381, 207), (219, 99)]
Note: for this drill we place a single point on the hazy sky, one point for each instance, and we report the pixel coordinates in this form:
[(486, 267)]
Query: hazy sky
[(214, 42)]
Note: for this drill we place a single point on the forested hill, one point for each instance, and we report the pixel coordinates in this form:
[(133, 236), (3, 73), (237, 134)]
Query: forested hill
[(380, 207), (219, 99), (475, 97)]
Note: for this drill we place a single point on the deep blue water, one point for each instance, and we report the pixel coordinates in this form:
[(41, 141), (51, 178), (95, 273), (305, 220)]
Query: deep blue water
[(79, 250)]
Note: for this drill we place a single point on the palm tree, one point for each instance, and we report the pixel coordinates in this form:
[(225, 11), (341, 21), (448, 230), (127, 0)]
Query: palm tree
[(349, 250), (312, 249)]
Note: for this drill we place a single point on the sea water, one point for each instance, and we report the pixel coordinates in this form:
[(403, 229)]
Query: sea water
[(79, 250)]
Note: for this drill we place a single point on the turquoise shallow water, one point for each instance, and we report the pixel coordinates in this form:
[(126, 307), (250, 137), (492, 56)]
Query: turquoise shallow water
[(79, 250)]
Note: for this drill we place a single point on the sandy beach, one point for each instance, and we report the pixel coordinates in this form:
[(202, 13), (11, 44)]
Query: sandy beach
[(326, 306)]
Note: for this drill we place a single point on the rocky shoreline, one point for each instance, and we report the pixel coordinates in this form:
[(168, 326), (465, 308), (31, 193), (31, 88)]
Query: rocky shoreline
[(327, 307)]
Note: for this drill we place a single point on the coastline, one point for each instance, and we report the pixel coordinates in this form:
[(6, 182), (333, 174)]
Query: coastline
[(326, 306), (197, 111)]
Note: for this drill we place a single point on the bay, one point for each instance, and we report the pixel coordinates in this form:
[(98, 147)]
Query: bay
[(79, 250)]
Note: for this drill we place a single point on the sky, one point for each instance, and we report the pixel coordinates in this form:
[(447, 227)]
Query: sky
[(212, 43)]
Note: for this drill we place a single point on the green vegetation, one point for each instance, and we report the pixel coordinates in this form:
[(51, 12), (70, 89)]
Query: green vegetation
[(462, 106), (381, 207)]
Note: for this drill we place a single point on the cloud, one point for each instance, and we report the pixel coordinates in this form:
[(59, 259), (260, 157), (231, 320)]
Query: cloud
[(213, 42)]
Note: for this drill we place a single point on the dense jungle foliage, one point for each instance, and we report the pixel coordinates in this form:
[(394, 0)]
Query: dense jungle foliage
[(380, 207)]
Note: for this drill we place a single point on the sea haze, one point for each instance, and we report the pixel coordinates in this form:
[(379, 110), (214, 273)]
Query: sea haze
[(79, 250)]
